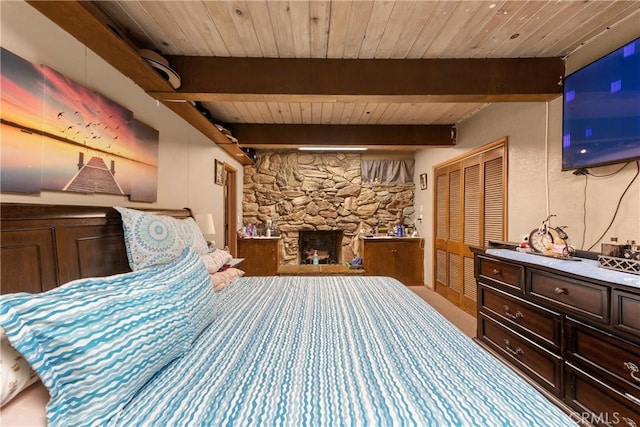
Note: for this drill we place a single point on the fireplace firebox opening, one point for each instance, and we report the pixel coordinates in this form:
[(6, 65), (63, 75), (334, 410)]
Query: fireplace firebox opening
[(328, 244)]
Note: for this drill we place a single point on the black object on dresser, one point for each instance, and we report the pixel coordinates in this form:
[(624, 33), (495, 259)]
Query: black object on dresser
[(575, 336)]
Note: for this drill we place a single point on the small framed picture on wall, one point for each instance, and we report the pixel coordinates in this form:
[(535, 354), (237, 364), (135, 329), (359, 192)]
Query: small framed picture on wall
[(219, 172), (423, 181)]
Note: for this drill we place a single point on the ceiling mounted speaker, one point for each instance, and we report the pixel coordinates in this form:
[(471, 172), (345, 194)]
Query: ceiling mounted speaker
[(161, 65)]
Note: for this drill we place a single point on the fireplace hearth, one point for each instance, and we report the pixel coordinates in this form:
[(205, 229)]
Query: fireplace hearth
[(327, 243)]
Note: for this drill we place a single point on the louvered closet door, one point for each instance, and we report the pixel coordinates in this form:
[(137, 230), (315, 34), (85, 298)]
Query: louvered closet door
[(494, 227), (441, 227), (470, 209), (454, 261), (472, 225)]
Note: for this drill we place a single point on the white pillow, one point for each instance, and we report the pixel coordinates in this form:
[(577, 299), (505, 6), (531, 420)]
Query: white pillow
[(15, 372), (215, 260)]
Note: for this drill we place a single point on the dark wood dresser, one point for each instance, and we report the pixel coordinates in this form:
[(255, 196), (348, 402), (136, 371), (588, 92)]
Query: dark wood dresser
[(576, 335)]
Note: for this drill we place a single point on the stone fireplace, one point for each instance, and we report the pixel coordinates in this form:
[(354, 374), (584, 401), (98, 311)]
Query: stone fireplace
[(319, 193), (327, 243)]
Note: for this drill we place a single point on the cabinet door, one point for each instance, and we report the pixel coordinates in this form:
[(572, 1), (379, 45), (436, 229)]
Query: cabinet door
[(377, 258), (260, 256), (401, 260), (408, 263)]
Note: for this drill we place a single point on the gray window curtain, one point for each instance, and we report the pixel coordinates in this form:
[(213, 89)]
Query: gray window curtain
[(387, 171)]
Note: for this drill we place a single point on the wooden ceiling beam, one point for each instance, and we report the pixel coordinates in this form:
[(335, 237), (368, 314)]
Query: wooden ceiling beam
[(388, 137), (81, 20), (381, 80), (314, 80), (86, 23), (195, 118)]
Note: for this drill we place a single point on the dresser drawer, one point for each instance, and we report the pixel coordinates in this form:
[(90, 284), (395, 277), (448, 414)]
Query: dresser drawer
[(596, 402), (606, 354), (509, 275), (583, 298), (626, 312), (540, 323), (541, 365)]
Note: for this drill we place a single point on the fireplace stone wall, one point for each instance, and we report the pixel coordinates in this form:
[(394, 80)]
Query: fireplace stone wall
[(321, 191)]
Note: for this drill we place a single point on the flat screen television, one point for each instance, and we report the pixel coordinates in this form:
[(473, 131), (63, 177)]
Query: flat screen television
[(601, 111)]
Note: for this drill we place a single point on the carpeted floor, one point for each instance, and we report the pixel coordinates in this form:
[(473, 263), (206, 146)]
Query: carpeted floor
[(463, 320)]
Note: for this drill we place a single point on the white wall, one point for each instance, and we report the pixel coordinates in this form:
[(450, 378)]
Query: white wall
[(186, 156), (537, 186)]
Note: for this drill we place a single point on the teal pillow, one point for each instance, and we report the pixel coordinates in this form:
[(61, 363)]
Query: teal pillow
[(193, 287), (95, 342)]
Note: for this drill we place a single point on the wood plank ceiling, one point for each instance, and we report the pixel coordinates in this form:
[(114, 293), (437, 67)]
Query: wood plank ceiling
[(291, 73)]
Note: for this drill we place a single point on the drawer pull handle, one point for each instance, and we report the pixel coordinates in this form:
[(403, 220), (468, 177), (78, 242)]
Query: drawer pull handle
[(560, 291), (507, 311), (633, 368), (497, 272), (516, 352), (629, 422)]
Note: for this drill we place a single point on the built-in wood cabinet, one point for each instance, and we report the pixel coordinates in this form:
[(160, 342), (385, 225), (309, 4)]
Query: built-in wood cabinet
[(574, 336), (399, 257), (261, 256)]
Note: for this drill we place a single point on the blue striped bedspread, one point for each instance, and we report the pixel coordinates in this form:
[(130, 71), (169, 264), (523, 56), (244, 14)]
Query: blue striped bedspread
[(335, 351)]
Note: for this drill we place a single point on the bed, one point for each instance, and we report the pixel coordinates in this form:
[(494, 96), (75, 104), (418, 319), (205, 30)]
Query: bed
[(318, 351)]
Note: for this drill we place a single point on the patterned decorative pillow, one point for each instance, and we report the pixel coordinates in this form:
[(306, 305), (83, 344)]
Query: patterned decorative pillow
[(15, 372), (158, 239), (94, 342), (215, 260), (150, 239), (191, 235)]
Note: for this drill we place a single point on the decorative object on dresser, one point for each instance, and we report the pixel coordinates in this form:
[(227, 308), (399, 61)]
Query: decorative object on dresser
[(572, 328), (399, 257), (550, 241), (621, 257), (261, 255)]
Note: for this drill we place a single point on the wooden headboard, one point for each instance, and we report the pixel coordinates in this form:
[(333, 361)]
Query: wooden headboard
[(44, 246)]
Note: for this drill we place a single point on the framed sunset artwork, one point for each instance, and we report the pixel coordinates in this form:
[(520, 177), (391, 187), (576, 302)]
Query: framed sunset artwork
[(61, 136)]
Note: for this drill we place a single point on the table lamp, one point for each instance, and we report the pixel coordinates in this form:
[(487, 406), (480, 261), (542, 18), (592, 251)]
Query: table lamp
[(205, 222)]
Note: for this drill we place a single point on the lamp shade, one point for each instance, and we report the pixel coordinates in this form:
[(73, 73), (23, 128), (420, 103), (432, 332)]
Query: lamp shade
[(205, 222)]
